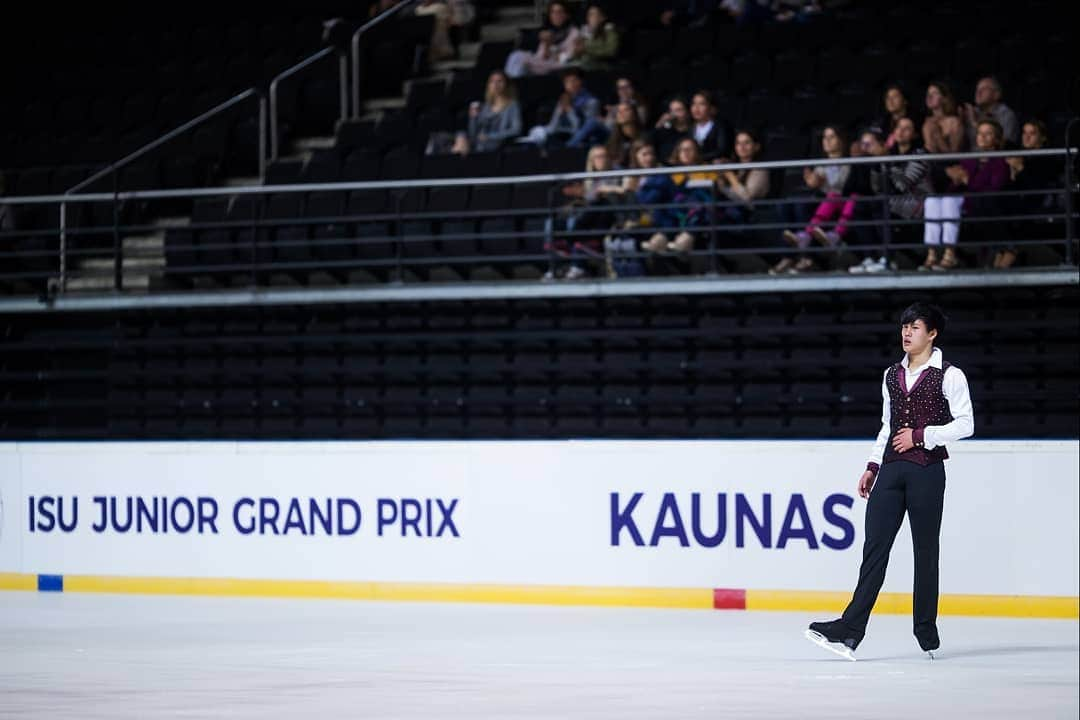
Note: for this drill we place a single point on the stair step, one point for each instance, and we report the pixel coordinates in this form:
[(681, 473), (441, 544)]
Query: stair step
[(145, 245), (171, 222), (501, 33), (133, 265), (84, 284), (517, 14), (469, 50), (451, 65), (242, 181), (389, 103), (314, 143)]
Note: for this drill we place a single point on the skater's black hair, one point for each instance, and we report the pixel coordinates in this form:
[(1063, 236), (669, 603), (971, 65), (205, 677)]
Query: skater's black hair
[(931, 316)]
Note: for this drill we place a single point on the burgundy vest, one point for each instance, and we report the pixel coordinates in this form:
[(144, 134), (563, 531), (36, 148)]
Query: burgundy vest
[(916, 407)]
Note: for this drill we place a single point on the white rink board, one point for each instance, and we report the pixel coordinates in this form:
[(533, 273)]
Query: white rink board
[(536, 513)]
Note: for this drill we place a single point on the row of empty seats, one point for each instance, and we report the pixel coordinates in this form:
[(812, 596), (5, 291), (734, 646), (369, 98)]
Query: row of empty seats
[(800, 365)]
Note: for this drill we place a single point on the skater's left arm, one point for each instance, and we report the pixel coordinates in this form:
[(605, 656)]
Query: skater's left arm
[(955, 388)]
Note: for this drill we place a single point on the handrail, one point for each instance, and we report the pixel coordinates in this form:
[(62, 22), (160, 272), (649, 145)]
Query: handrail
[(355, 51), (524, 179), (274, 94), (1069, 180), (128, 159)]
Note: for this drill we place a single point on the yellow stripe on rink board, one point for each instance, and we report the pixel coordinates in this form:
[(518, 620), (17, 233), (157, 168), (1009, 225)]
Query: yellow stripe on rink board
[(18, 581), (691, 598), (1031, 606)]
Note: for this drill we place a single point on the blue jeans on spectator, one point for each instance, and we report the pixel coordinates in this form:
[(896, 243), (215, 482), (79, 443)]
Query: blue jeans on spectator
[(593, 132)]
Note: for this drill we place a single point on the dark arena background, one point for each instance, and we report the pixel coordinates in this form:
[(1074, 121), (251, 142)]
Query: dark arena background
[(445, 359)]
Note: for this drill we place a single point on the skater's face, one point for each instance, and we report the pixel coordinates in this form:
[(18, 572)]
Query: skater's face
[(915, 338)]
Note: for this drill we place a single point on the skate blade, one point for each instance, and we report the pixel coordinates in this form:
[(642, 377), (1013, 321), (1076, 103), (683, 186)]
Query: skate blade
[(821, 641)]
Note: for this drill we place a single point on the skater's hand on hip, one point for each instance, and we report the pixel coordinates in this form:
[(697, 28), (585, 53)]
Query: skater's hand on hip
[(866, 482), (903, 441)]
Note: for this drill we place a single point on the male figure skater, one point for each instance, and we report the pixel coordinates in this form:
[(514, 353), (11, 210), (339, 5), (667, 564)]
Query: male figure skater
[(925, 406)]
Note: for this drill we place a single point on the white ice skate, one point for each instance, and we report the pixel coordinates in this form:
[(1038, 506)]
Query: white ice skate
[(839, 648)]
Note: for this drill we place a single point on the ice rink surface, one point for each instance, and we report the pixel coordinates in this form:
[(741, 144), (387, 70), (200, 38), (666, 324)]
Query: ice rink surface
[(106, 656)]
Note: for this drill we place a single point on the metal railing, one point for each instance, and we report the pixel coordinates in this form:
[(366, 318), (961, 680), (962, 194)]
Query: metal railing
[(276, 82), (395, 241), (113, 169), (354, 44)]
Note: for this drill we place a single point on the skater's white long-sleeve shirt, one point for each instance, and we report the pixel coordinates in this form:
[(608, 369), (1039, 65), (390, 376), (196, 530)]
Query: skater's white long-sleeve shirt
[(955, 388)]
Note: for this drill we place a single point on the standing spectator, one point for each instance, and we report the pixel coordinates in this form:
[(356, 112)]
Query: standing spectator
[(972, 176), (943, 130), (1029, 174), (672, 126), (441, 47), (627, 132), (555, 45), (498, 118), (988, 106), (743, 187), (711, 134), (830, 180), (694, 192)]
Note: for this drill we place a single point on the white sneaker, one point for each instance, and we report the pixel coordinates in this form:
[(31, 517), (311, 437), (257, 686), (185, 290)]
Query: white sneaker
[(548, 276), (878, 266), (574, 273), (862, 267)]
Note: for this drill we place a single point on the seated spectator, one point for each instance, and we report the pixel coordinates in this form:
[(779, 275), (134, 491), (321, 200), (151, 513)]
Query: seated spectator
[(627, 131), (598, 130), (590, 208), (1030, 174), (895, 103), (829, 180), (975, 175), (743, 187), (597, 43), (498, 118), (908, 186), (695, 193), (575, 107), (672, 127), (556, 42), (711, 134), (988, 106), (650, 191)]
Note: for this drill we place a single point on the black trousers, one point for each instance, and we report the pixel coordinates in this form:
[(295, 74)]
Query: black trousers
[(920, 491)]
